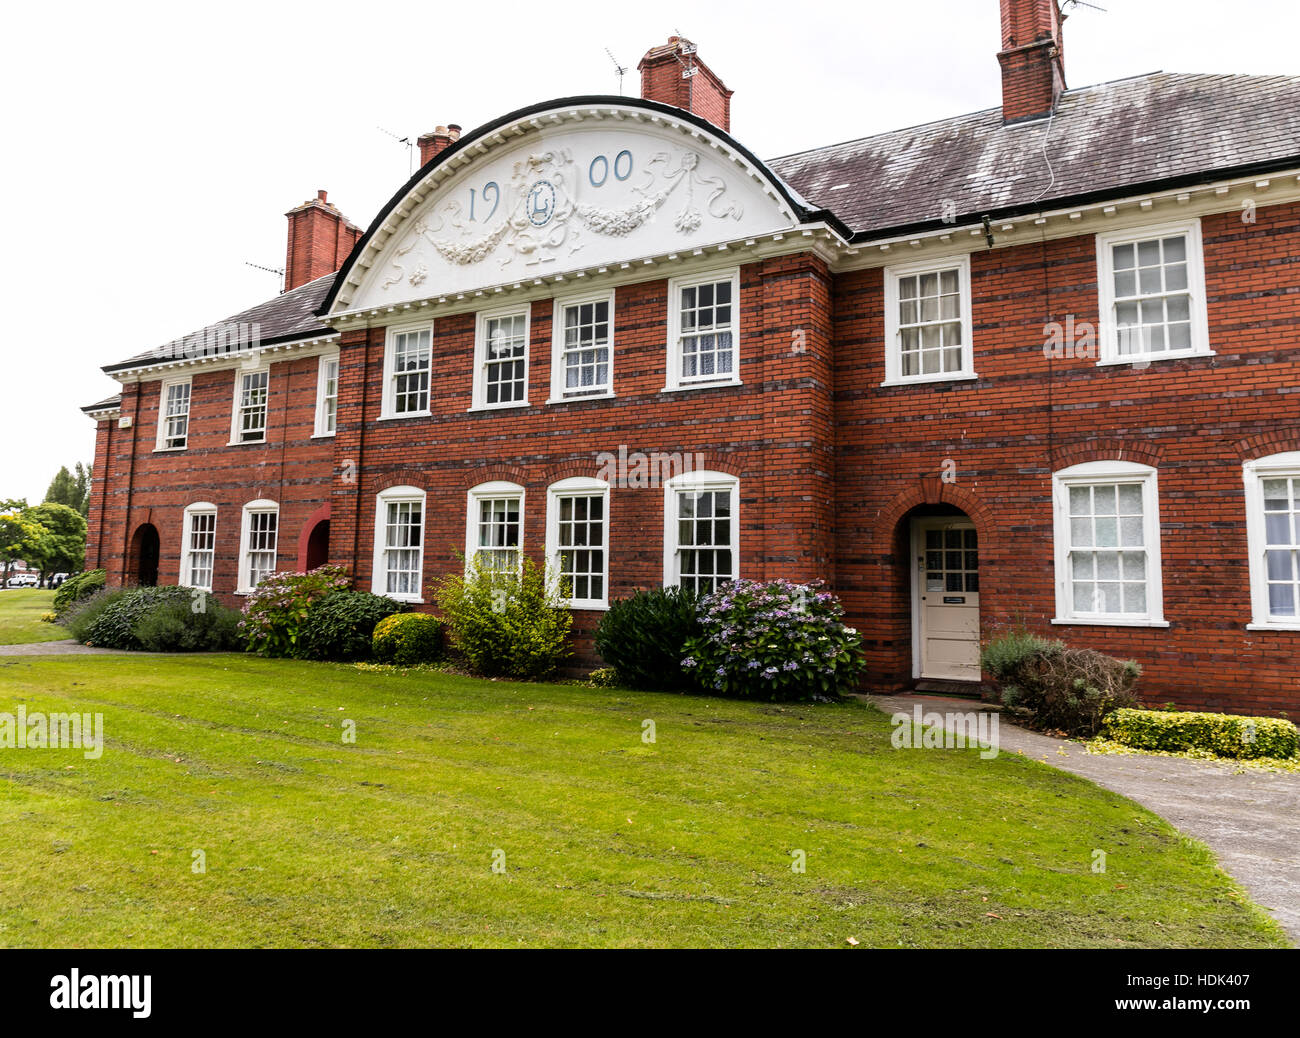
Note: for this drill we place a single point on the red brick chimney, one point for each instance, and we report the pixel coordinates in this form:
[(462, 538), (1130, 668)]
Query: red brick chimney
[(675, 75), (320, 238), (434, 143), (1032, 58)]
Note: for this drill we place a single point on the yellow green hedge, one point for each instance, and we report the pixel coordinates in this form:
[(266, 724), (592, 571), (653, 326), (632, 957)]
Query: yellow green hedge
[(408, 638), (1225, 735)]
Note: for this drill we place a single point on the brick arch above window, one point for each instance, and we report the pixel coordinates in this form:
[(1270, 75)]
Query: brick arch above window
[(493, 473), (377, 482), (1275, 441), (587, 468), (1105, 449), (931, 490)]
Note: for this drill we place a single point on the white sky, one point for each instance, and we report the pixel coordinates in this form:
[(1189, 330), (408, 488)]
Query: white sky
[(152, 148)]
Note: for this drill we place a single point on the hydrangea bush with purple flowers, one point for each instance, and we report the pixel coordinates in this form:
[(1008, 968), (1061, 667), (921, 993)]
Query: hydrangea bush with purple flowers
[(275, 612), (774, 640)]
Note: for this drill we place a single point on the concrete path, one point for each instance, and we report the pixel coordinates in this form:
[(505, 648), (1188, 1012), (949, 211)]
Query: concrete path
[(66, 647), (1251, 819)]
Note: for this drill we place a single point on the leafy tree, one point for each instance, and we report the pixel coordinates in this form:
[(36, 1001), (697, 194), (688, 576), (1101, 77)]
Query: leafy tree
[(71, 490), (18, 537), (84, 477), (60, 547)]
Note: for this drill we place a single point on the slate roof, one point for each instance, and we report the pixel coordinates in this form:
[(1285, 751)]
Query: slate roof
[(1114, 138), (1103, 139), (107, 402), (290, 315)]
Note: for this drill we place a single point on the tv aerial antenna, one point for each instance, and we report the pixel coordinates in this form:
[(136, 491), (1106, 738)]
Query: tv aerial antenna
[(410, 148), (278, 272), (621, 70)]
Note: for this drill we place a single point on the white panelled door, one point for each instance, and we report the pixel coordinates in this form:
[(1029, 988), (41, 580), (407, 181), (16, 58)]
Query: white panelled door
[(945, 589)]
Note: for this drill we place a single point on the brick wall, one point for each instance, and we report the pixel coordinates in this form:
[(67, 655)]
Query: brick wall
[(830, 463), (1196, 420), (144, 486)]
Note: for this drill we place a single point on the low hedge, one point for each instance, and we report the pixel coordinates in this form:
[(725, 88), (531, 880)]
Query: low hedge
[(1224, 735), (158, 619), (77, 587), (406, 638)]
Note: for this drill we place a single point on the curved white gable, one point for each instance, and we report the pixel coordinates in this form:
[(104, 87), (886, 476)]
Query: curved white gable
[(559, 191)]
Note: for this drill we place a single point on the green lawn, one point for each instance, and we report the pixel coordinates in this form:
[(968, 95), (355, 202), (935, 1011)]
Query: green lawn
[(607, 840), (20, 617)]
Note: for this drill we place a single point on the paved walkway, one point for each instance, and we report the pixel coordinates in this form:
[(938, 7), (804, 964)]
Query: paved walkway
[(66, 647), (1251, 819)]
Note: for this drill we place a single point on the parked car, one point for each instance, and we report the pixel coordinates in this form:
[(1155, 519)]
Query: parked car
[(23, 580)]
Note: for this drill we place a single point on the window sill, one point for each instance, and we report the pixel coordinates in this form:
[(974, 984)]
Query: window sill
[(580, 399), (407, 599), (1147, 359), (688, 387), (407, 414), (170, 450), (923, 380), (1110, 622), (1275, 626), (588, 607), (246, 443), (513, 405), (323, 436)]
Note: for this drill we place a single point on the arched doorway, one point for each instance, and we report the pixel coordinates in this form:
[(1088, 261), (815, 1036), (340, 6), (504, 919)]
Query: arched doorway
[(943, 555), (318, 545), (145, 551)]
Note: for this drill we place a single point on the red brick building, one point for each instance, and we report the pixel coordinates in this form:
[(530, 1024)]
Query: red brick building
[(1034, 364)]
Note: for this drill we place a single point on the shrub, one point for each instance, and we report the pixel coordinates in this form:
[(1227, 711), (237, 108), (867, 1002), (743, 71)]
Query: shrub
[(81, 615), (1056, 687), (195, 623), (506, 625), (275, 612), (643, 638), (406, 638), (113, 625), (340, 624), (1224, 735), (75, 588), (774, 640), (603, 677)]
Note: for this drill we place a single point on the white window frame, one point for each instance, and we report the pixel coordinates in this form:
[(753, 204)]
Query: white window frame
[(893, 344), (674, 381), (240, 373), (558, 394), (379, 569), (389, 396), (1107, 345), (702, 479), (260, 506), (187, 529), (1254, 473), (479, 392), (577, 486), (322, 381), (497, 488), (1094, 472), (164, 391)]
